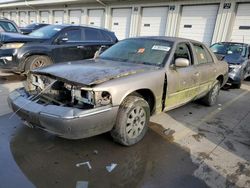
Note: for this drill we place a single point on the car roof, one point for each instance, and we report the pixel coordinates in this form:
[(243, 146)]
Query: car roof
[(171, 39), (82, 25)]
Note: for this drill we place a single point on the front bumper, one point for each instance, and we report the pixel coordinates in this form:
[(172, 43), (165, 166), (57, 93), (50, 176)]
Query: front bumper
[(66, 122), (8, 60), (234, 77)]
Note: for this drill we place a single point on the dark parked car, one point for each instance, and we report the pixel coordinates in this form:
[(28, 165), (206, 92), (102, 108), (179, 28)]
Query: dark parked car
[(121, 89), (7, 25), (237, 55), (32, 27), (51, 44)]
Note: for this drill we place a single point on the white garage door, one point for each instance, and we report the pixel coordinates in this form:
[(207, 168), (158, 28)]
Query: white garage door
[(198, 22), (6, 15), (241, 29), (23, 19), (58, 17), (13, 16), (121, 19), (32, 17), (44, 16), (75, 16), (96, 17), (153, 21)]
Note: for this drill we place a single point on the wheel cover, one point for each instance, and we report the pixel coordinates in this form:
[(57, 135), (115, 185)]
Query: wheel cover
[(215, 92), (38, 63), (135, 122)]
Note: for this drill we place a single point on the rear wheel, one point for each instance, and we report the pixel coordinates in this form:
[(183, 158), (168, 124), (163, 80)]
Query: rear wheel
[(211, 98), (36, 61), (132, 121)]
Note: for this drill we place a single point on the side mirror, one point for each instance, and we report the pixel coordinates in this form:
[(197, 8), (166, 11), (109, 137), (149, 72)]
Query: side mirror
[(182, 62)]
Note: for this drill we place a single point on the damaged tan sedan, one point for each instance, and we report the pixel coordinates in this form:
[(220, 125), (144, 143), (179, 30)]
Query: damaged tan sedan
[(121, 89)]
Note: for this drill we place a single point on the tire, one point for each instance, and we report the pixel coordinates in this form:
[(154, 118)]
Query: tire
[(36, 61), (132, 121), (211, 98), (237, 86)]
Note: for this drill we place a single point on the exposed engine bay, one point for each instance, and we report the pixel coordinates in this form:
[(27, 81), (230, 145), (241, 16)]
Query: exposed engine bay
[(46, 90)]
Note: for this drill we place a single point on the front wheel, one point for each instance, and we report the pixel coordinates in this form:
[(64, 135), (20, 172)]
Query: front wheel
[(36, 61), (132, 121), (211, 98)]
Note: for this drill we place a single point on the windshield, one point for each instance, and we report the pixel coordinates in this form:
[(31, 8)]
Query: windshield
[(229, 48), (145, 51), (7, 26), (46, 32)]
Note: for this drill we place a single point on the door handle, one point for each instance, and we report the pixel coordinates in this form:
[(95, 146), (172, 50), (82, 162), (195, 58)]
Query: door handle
[(80, 47)]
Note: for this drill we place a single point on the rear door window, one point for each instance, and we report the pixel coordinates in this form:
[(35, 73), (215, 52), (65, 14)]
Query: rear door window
[(93, 35), (202, 55)]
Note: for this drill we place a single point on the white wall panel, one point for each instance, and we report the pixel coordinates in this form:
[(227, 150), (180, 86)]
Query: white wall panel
[(153, 21), (241, 28), (198, 22), (121, 19)]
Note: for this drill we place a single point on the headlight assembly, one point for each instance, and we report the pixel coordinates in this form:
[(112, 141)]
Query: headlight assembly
[(12, 45), (102, 98), (97, 98)]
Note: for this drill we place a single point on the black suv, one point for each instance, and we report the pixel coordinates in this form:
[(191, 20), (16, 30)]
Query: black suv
[(51, 44), (7, 25)]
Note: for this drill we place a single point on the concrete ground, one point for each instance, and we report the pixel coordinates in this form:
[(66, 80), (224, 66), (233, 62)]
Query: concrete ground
[(192, 146)]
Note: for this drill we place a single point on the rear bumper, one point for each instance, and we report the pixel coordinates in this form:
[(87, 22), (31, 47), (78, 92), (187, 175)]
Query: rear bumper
[(67, 122)]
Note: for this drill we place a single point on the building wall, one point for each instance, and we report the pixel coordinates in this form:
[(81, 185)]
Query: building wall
[(223, 23)]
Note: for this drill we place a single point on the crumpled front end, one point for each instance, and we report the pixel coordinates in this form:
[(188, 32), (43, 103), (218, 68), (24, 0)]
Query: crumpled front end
[(235, 73), (64, 109)]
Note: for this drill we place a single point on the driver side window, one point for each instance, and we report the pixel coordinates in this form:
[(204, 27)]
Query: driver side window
[(182, 51), (73, 35)]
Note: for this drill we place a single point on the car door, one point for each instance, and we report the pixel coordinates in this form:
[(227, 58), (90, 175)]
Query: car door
[(205, 66), (183, 82), (68, 46)]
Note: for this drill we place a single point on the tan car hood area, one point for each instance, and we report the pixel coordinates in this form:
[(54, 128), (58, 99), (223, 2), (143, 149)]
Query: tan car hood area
[(92, 72)]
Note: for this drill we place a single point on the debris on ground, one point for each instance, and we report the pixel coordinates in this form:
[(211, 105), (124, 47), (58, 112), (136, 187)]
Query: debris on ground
[(84, 163), (111, 167), (95, 152), (82, 184)]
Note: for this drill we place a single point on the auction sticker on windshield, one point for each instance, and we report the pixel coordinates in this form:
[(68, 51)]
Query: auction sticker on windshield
[(162, 48)]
